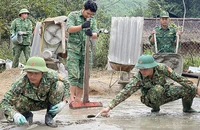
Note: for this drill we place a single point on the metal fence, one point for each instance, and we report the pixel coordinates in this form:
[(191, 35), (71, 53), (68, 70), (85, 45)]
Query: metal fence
[(185, 48), (189, 41)]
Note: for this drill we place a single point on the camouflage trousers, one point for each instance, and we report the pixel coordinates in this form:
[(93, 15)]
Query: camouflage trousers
[(17, 49), (26, 104), (159, 95), (75, 67)]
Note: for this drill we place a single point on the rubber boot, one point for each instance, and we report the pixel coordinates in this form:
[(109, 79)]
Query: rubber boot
[(187, 106), (49, 118), (29, 116), (155, 109)]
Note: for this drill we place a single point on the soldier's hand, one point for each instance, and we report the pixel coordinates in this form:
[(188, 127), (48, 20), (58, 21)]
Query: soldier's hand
[(153, 32), (179, 32), (88, 32), (57, 108), (86, 24), (22, 33), (105, 112), (19, 119)]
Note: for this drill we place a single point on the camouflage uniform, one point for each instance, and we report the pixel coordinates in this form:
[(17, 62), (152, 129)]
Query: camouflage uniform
[(24, 97), (165, 39), (76, 48), (156, 91), (26, 26)]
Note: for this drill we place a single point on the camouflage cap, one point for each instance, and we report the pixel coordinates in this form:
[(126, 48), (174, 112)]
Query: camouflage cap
[(36, 64), (23, 11), (164, 14), (146, 62)]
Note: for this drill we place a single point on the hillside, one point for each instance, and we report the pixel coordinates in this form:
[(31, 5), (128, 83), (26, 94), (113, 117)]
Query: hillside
[(121, 7)]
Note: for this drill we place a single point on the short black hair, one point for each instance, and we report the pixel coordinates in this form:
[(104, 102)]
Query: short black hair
[(91, 5)]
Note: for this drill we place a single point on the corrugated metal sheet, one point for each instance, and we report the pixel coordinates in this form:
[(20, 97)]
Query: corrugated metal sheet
[(35, 48), (125, 40)]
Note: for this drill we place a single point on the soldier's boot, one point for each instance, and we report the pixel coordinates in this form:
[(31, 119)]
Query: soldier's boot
[(49, 118), (155, 109), (29, 116), (187, 106)]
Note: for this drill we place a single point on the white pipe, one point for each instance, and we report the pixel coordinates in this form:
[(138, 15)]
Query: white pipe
[(184, 15), (63, 37), (177, 43), (155, 41)]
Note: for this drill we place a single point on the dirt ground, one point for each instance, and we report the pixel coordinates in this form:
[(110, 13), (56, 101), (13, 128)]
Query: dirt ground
[(7, 77), (131, 114)]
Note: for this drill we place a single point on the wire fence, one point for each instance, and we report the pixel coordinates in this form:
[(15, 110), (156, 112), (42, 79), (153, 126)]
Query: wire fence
[(189, 41)]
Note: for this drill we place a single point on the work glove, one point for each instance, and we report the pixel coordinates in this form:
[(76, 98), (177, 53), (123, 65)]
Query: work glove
[(19, 119), (57, 108), (86, 24), (88, 32)]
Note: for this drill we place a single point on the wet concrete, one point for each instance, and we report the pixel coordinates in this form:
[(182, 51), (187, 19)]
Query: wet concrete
[(129, 115)]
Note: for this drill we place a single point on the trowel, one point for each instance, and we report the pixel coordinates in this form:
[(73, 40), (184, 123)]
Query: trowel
[(94, 116)]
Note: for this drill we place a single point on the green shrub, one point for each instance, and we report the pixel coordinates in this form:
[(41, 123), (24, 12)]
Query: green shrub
[(191, 60), (101, 51), (148, 51), (5, 50)]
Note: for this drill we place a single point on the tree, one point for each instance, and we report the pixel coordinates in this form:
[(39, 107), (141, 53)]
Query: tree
[(175, 7)]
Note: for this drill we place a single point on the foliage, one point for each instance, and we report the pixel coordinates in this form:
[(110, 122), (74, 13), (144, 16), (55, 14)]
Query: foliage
[(121, 8), (102, 45), (175, 7), (5, 51), (101, 50), (73, 5), (148, 51), (191, 60)]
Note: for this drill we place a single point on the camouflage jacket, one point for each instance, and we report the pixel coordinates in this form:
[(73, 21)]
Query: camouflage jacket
[(23, 87), (76, 41), (166, 39), (22, 25), (161, 72)]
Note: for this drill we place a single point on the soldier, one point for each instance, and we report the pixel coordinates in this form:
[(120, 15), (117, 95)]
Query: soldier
[(77, 27), (165, 35), (156, 91), (39, 88), (21, 26)]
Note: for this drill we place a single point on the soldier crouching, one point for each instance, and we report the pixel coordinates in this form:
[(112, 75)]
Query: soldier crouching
[(39, 88), (158, 95), (151, 79)]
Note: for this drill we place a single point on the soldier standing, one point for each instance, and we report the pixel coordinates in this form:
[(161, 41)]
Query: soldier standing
[(21, 26), (77, 27), (39, 88), (156, 91), (165, 35)]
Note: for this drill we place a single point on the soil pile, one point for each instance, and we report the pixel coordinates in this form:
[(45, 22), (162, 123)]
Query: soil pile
[(7, 77)]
